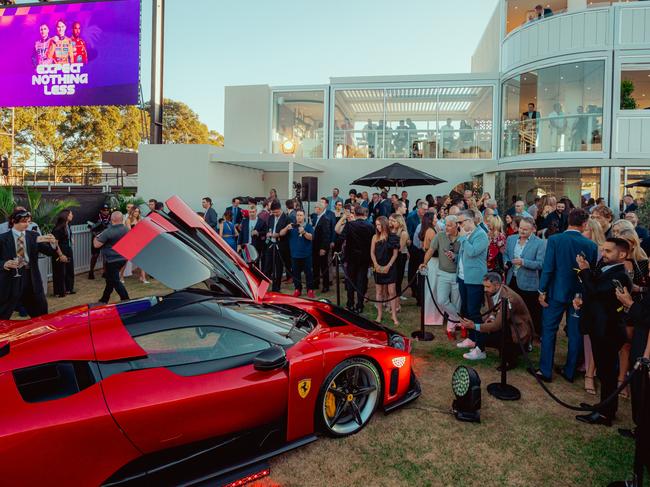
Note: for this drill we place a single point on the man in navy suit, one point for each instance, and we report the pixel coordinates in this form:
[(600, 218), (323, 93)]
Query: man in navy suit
[(253, 231), (210, 217), (321, 245), (235, 210), (558, 287)]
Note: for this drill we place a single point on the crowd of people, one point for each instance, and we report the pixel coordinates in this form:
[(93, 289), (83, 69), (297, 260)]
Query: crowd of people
[(553, 263)]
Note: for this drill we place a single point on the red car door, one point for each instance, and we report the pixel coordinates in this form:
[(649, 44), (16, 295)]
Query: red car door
[(195, 383)]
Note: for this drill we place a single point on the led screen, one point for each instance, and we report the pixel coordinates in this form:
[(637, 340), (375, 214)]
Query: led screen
[(66, 54)]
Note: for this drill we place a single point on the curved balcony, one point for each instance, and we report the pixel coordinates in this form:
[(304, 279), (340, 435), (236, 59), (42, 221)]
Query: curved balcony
[(566, 33)]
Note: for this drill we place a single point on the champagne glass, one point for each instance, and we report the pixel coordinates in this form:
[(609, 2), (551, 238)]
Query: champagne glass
[(578, 299), (20, 261)]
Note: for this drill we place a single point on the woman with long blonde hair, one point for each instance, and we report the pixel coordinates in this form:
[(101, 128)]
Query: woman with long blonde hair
[(497, 244), (383, 253), (398, 227)]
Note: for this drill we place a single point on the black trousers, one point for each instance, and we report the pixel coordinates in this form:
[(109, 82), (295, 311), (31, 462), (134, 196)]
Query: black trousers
[(33, 300), (286, 257), (401, 267), (511, 350), (605, 350), (416, 257), (357, 272), (113, 283), (273, 266), (531, 300), (321, 269), (62, 276)]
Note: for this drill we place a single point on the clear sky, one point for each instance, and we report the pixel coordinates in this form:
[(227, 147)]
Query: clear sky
[(210, 44)]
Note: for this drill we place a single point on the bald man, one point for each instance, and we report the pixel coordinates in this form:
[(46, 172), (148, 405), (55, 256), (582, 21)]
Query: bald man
[(114, 261)]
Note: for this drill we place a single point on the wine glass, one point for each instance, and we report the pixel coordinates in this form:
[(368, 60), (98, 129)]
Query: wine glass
[(20, 261), (578, 299)]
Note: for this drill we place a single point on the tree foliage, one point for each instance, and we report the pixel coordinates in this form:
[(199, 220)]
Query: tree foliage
[(66, 138), (627, 100)]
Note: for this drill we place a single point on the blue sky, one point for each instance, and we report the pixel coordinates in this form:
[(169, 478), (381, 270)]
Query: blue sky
[(210, 44)]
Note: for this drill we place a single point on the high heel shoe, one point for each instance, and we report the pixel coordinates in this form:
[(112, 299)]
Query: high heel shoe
[(625, 393), (590, 386)]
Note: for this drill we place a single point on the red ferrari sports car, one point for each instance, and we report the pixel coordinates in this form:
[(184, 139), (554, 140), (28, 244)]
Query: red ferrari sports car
[(190, 387)]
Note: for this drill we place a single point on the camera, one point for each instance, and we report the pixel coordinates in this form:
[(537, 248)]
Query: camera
[(295, 225)]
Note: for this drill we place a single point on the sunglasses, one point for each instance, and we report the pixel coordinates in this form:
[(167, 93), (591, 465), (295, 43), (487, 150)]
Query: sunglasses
[(22, 214)]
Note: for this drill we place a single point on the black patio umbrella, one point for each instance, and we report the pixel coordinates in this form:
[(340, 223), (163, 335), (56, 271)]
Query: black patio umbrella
[(643, 184), (398, 175)]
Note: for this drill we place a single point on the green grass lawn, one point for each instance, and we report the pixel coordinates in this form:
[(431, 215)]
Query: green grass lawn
[(531, 442)]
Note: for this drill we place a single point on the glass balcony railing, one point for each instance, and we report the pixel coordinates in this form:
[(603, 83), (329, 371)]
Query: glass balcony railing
[(388, 143), (566, 133)]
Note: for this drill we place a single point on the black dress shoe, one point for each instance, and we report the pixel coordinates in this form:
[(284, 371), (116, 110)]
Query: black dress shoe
[(594, 418), (538, 373), (626, 433), (560, 371)]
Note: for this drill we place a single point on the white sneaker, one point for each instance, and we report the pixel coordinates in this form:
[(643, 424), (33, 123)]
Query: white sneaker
[(475, 354), (467, 343), (403, 298)]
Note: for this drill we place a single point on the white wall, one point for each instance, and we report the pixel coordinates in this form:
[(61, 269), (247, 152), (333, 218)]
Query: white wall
[(187, 171), (340, 173), (247, 118), (486, 56)]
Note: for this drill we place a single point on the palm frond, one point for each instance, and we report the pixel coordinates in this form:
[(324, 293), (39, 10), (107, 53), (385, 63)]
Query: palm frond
[(7, 201)]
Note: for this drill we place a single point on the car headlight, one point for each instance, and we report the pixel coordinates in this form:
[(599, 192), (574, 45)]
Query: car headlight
[(397, 341)]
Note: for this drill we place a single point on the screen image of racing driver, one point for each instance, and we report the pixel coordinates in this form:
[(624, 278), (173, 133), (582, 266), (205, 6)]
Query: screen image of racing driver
[(61, 48), (80, 54), (41, 46)]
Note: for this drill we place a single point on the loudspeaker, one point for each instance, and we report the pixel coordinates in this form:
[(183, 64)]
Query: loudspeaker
[(309, 189)]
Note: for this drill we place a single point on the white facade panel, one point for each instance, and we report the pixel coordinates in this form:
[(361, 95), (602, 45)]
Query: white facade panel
[(633, 26), (585, 30), (633, 137)]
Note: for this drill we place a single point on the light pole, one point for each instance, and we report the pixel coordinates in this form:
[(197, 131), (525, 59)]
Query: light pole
[(289, 148)]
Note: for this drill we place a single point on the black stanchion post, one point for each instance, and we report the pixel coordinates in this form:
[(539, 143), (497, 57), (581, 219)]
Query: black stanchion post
[(502, 390), (642, 431), (338, 279), (422, 334)]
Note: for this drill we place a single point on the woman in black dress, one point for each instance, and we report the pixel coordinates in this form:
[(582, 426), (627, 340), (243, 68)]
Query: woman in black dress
[(383, 252), (63, 269)]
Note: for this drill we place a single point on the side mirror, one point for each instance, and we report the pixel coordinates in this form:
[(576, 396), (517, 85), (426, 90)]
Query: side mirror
[(273, 358)]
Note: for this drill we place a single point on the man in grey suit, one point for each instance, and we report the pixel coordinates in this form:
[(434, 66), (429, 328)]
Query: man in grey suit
[(210, 217), (524, 258)]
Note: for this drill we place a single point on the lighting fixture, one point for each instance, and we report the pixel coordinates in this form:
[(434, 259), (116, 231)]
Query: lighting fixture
[(466, 386)]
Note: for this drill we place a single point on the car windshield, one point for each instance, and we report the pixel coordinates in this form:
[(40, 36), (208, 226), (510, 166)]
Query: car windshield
[(287, 321)]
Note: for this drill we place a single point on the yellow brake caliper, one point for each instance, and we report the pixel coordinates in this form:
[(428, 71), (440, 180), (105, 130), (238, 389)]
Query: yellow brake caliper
[(330, 403)]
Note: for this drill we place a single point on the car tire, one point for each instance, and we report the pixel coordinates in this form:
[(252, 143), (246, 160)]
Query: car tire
[(348, 397)]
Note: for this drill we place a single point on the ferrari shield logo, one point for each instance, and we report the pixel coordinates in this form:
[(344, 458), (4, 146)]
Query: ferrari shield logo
[(304, 386)]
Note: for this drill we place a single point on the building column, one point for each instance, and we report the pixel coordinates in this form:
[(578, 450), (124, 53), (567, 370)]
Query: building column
[(615, 196), (489, 183)]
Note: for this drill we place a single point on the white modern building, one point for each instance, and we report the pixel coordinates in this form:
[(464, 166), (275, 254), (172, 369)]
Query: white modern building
[(586, 69)]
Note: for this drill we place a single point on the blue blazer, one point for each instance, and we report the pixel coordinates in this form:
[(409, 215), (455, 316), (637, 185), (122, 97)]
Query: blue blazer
[(533, 257), (473, 254), (211, 218), (559, 279), (237, 215)]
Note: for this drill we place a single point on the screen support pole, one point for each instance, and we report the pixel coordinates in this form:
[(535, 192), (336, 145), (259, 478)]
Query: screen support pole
[(157, 57)]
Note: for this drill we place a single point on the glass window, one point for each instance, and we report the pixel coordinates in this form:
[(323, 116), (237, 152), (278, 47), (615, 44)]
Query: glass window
[(424, 122), (554, 109), (299, 116), (578, 184), (358, 123), (465, 122), (631, 175), (635, 86), (194, 344)]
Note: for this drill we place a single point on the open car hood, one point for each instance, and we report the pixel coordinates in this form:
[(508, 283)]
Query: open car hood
[(180, 250)]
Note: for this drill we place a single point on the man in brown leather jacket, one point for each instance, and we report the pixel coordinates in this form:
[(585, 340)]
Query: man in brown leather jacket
[(517, 314)]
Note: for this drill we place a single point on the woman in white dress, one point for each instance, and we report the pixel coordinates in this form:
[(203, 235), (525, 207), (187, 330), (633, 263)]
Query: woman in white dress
[(425, 233), (132, 219)]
